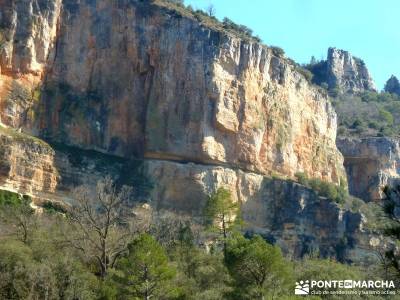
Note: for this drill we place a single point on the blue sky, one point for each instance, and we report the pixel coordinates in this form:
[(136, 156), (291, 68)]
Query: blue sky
[(369, 29)]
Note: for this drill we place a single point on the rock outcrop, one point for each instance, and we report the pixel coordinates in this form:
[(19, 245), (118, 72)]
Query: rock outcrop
[(27, 164), (371, 164), (342, 72), (347, 72)]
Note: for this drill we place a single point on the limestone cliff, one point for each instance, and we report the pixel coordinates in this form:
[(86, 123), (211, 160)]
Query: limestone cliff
[(27, 34), (282, 211), (148, 93), (139, 79), (30, 166), (342, 72), (27, 164), (347, 72), (371, 164)]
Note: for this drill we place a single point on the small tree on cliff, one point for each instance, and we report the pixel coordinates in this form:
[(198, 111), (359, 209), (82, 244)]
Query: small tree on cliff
[(221, 213), (99, 222)]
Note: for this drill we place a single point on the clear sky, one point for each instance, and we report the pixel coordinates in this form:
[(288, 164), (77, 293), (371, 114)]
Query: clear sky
[(369, 29)]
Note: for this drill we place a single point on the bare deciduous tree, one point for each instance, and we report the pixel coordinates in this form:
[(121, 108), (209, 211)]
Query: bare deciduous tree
[(211, 10), (100, 222), (168, 227), (20, 220)]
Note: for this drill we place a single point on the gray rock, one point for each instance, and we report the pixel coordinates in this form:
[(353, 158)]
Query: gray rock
[(347, 72), (371, 164), (342, 72)]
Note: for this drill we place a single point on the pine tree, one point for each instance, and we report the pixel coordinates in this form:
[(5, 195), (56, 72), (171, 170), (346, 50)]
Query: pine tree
[(145, 272), (258, 268), (392, 85), (221, 213)]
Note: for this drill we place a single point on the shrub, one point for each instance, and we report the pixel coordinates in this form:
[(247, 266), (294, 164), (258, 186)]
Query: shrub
[(208, 19), (13, 199), (242, 30), (19, 93), (323, 188), (386, 116), (301, 178), (385, 131), (53, 207), (318, 69), (373, 125), (329, 190), (325, 269), (341, 131), (277, 51), (357, 123), (306, 73), (257, 39), (369, 114), (378, 97), (359, 61), (334, 92), (324, 85), (177, 2)]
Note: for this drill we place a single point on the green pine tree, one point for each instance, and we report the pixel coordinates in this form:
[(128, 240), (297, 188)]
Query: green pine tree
[(258, 268), (145, 272), (222, 214)]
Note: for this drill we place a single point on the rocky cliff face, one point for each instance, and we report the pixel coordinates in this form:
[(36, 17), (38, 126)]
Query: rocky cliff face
[(282, 211), (27, 164), (27, 35), (50, 172), (347, 72), (342, 72), (28, 30), (371, 164), (134, 81)]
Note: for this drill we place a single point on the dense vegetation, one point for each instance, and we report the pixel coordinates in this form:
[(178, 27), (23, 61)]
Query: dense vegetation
[(325, 189), (368, 114), (391, 228), (104, 247)]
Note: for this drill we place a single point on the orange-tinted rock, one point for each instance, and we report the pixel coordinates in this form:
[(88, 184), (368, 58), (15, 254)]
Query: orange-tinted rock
[(137, 79)]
